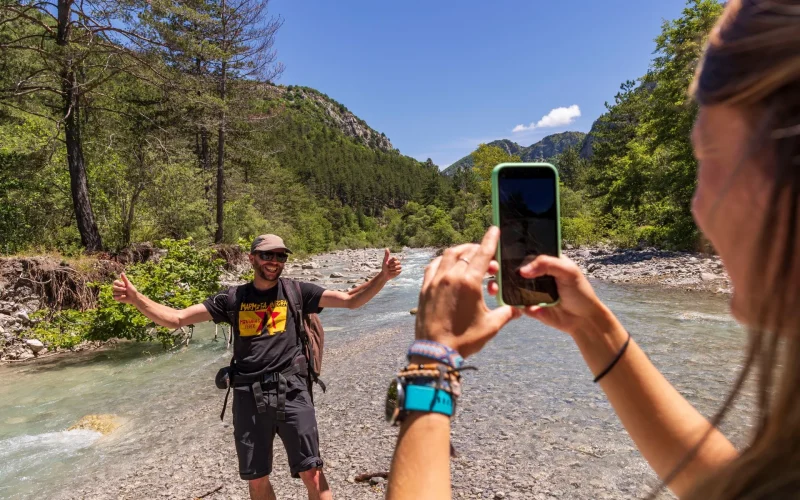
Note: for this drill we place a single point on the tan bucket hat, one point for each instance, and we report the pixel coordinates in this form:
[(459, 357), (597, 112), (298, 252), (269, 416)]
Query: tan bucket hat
[(267, 242)]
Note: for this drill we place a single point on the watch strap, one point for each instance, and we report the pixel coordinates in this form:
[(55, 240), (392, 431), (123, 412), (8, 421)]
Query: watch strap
[(429, 400)]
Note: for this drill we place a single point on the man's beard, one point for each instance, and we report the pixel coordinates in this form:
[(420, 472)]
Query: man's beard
[(262, 273)]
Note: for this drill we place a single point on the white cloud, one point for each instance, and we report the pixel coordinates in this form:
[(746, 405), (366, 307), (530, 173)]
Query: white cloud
[(557, 117)]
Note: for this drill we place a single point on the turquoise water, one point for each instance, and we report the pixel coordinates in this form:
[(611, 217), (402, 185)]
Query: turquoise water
[(690, 337)]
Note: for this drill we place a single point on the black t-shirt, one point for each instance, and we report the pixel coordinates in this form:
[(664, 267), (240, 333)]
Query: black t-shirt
[(265, 337)]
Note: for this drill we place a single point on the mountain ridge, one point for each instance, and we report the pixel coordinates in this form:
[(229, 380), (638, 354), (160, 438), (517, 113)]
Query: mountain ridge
[(543, 150)]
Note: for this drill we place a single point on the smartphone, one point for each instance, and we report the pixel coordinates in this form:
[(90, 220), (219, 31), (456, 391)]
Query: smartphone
[(526, 208)]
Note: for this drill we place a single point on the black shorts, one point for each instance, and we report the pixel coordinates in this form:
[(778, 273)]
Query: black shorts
[(255, 432)]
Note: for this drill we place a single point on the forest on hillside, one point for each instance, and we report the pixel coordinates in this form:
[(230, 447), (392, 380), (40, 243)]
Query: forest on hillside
[(123, 122)]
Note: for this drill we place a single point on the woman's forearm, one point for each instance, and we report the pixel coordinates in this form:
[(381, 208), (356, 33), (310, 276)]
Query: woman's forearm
[(664, 426), (421, 464)]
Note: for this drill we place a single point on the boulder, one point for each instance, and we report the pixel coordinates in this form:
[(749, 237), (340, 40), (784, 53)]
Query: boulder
[(337, 275), (413, 311), (35, 345), (311, 265), (22, 316), (708, 277)]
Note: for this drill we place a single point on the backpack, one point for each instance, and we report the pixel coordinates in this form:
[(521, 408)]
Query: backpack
[(310, 333)]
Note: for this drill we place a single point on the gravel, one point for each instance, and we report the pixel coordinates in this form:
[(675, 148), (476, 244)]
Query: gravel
[(689, 271)]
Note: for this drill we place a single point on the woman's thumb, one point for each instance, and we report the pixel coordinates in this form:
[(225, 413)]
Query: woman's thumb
[(499, 317)]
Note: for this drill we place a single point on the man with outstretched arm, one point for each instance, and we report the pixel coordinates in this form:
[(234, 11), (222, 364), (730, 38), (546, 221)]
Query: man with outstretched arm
[(266, 342)]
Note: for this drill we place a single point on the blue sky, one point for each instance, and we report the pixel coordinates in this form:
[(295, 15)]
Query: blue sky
[(439, 77)]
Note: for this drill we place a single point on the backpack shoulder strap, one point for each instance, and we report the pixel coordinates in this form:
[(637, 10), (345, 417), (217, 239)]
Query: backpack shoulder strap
[(235, 298), (292, 290)]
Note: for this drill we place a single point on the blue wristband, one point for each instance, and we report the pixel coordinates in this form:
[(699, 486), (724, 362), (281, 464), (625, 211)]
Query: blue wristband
[(428, 400), (437, 352)]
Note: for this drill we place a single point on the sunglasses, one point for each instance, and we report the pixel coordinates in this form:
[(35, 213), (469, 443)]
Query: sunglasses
[(270, 256)]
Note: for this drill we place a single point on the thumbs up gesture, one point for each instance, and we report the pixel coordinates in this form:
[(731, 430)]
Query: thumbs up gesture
[(124, 291), (391, 267)]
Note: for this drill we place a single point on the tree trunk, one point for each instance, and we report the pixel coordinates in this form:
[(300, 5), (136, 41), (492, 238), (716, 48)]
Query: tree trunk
[(221, 163), (206, 172), (221, 139), (128, 224), (79, 185)]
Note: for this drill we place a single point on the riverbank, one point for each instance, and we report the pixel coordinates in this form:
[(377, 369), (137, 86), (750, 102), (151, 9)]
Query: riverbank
[(344, 269), (694, 272)]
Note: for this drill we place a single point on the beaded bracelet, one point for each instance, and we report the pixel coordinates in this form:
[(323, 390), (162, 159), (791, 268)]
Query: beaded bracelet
[(452, 387)]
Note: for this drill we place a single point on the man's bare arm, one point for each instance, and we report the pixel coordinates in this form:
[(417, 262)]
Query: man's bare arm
[(162, 315)]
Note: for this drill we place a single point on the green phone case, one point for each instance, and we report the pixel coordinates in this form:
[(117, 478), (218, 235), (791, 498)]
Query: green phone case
[(496, 217)]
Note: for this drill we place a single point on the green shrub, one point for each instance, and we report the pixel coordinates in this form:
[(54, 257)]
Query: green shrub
[(579, 231), (186, 275), (65, 329)]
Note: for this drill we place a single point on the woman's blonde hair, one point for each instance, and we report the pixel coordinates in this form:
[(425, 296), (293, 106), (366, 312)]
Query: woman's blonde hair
[(752, 61)]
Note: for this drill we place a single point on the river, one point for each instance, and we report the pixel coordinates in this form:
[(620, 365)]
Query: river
[(530, 375)]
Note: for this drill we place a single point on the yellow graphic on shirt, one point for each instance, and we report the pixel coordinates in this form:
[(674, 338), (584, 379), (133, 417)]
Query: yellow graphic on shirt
[(254, 316)]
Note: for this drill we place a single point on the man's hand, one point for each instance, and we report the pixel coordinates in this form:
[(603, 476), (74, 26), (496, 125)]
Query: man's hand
[(124, 291), (391, 267)]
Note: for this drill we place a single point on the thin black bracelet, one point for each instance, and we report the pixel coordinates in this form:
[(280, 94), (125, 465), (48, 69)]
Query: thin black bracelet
[(616, 359)]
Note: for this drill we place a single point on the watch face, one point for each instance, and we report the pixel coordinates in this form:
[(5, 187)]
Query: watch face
[(394, 401)]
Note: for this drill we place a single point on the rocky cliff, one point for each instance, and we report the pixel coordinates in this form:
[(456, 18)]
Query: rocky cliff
[(335, 115)]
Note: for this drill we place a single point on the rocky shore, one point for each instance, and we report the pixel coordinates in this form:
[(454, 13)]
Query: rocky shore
[(685, 270)]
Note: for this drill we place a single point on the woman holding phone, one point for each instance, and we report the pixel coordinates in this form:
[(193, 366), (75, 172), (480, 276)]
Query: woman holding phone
[(747, 203)]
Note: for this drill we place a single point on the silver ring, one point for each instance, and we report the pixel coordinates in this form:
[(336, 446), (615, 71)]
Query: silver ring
[(464, 259)]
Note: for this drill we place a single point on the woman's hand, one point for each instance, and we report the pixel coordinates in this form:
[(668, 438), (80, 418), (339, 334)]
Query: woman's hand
[(451, 306), (579, 311)]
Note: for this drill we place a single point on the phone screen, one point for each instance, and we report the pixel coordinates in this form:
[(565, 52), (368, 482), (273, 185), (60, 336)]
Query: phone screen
[(528, 227)]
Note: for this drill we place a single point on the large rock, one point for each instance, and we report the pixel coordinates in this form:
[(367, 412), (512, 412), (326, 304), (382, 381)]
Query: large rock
[(310, 265), (337, 275), (104, 424), (23, 316), (35, 345)]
